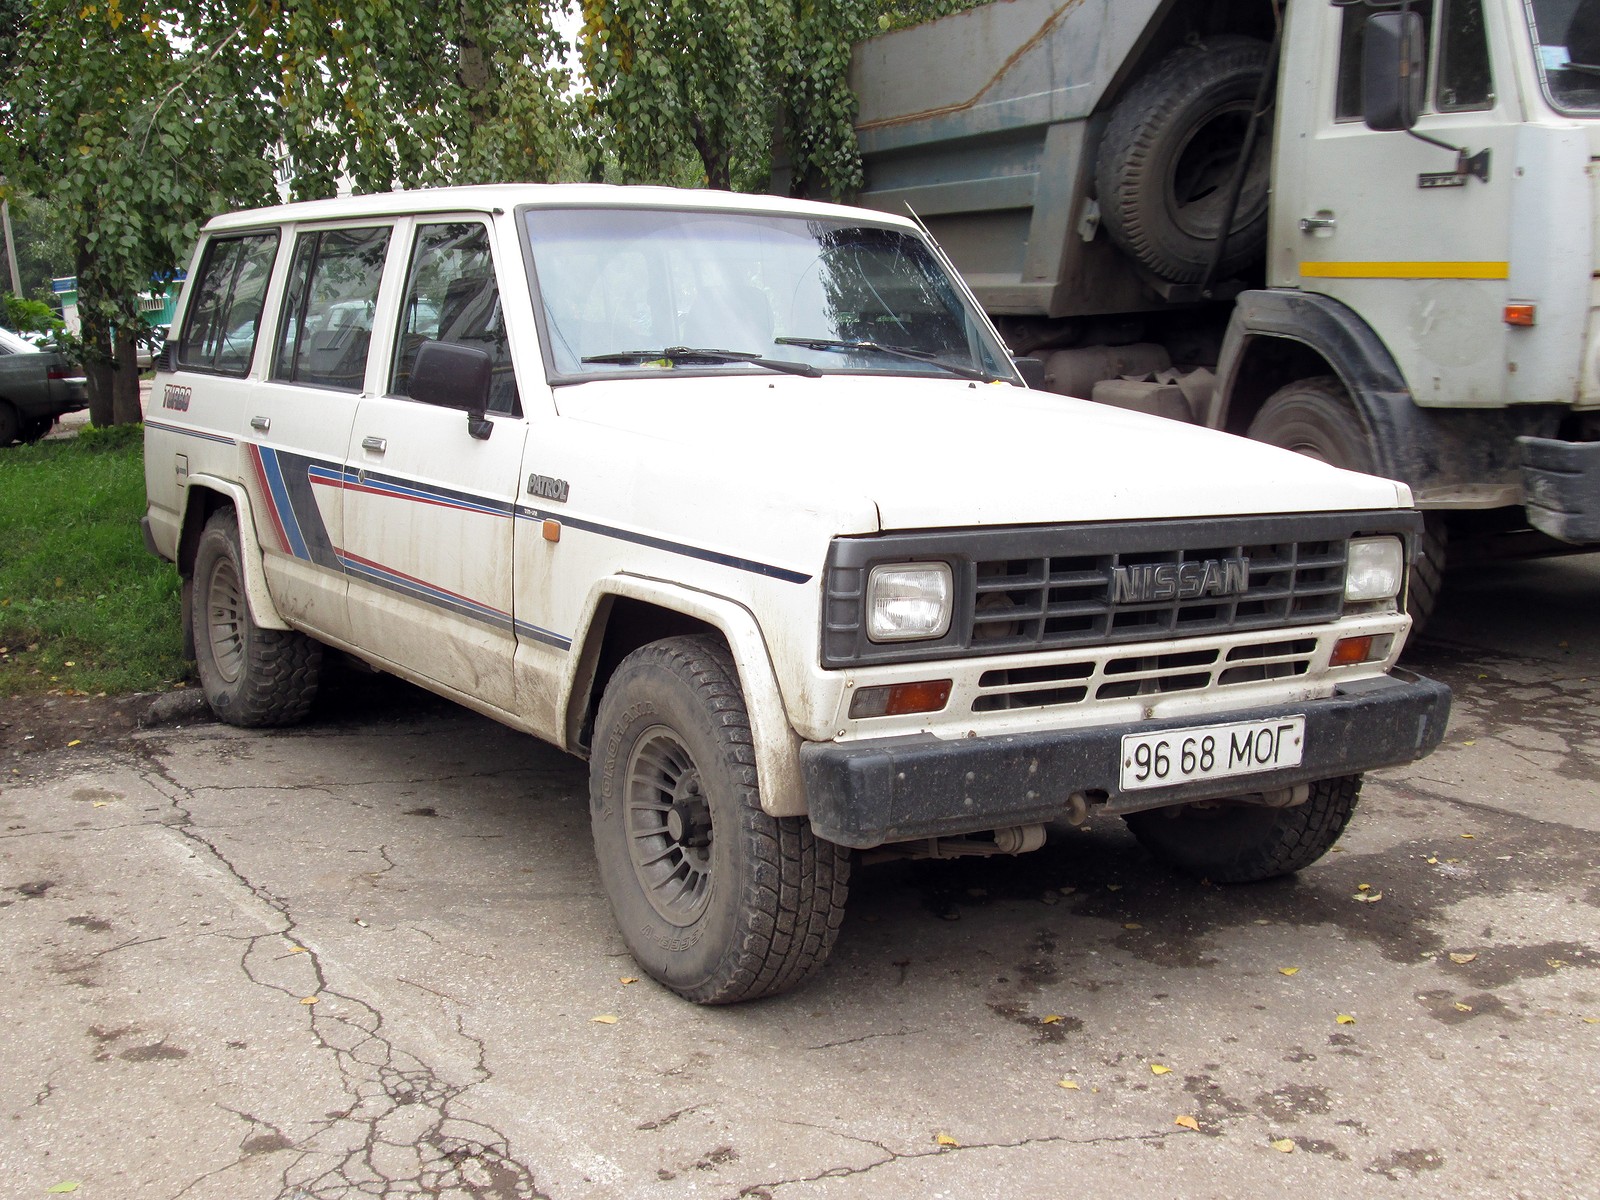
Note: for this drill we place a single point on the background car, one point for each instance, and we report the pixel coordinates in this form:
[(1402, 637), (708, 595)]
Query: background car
[(36, 387)]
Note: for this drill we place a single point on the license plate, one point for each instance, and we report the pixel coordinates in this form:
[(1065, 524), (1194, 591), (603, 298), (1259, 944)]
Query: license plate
[(1152, 760)]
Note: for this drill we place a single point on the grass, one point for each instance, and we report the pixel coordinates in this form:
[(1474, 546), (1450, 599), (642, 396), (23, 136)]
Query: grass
[(84, 607)]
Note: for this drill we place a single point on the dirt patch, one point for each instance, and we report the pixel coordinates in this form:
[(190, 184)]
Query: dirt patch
[(32, 725)]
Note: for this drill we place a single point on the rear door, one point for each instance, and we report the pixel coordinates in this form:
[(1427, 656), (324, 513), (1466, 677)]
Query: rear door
[(429, 509)]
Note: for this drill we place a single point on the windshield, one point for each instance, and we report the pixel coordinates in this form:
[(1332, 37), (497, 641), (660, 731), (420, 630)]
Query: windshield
[(1566, 37), (638, 291)]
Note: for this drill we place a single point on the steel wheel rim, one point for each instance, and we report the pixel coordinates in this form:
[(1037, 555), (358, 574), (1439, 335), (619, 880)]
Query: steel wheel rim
[(667, 819), (225, 620)]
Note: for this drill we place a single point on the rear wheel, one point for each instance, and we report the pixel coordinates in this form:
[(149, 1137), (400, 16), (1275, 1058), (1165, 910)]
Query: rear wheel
[(1238, 842), (251, 676), (10, 423), (716, 900), (35, 429)]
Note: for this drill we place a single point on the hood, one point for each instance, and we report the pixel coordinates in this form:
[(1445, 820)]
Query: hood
[(935, 453)]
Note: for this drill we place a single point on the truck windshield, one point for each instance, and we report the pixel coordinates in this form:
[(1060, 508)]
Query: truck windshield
[(1566, 37), (631, 291)]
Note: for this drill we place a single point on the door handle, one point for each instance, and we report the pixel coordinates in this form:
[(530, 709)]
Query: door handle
[(261, 423), (375, 444), (1323, 221)]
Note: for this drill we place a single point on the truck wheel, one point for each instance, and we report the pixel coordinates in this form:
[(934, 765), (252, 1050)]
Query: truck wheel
[(10, 423), (1246, 843), (1167, 158), (1314, 417), (251, 676), (716, 900)]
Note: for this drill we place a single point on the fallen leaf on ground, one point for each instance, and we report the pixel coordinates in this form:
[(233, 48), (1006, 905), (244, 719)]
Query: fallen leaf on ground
[(1460, 1007), (1556, 963), (1469, 836), (74, 742), (1368, 897), (1052, 1019), (1288, 970), (1345, 1019), (297, 950), (627, 979), (944, 1139), (1113, 887), (603, 1019), (66, 1185), (1461, 959), (1363, 887), (310, 999), (1471, 741), (1591, 1020), (1285, 1145), (1133, 925), (1433, 860), (1158, 1069), (1187, 1122), (1072, 1084)]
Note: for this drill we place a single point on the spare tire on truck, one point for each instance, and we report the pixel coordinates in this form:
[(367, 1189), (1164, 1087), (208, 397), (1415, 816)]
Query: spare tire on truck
[(1166, 162)]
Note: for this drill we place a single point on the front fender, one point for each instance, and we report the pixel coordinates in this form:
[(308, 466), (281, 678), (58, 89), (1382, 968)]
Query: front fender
[(776, 745), (262, 609)]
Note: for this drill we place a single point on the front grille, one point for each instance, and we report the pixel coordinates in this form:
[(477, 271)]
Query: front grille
[(1119, 678), (1055, 602), (1027, 589)]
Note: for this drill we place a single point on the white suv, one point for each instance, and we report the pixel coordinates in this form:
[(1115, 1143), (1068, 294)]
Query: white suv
[(743, 500)]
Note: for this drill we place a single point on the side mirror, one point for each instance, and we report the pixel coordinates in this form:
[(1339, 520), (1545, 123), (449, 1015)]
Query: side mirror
[(1394, 70), (451, 375), (1032, 372)]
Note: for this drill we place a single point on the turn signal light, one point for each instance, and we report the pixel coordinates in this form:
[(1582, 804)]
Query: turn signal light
[(1351, 650), (1521, 314), (899, 699)]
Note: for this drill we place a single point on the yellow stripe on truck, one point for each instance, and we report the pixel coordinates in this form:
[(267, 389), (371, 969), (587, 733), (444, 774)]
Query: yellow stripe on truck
[(1405, 270)]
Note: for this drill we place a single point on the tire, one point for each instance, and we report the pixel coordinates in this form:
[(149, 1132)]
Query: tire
[(1247, 843), (715, 899), (251, 676), (1166, 162), (33, 431), (1314, 417), (10, 423)]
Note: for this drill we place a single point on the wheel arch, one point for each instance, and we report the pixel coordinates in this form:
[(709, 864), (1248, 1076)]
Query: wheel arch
[(1277, 336), (203, 497), (624, 613)]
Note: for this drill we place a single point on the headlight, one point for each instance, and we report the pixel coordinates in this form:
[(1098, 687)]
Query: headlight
[(1377, 566), (909, 601)]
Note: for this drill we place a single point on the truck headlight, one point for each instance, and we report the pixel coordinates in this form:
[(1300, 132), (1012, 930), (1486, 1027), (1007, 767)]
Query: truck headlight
[(1376, 569), (908, 601)]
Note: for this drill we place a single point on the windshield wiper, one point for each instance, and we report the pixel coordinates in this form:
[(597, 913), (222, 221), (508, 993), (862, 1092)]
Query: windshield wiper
[(691, 354), (922, 356)]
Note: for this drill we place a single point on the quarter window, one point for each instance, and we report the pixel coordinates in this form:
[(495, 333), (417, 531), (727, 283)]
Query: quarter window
[(219, 332), (326, 329), (452, 295)]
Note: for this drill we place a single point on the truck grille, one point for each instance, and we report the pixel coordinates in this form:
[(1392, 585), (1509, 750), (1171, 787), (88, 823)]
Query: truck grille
[(1035, 588)]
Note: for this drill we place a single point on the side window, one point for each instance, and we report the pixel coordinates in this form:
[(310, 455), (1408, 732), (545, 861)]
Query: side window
[(219, 332), (1458, 48), (452, 296), (1464, 81), (326, 327)]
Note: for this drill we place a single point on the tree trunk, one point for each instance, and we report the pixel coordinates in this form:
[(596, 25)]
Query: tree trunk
[(98, 370), (125, 409)]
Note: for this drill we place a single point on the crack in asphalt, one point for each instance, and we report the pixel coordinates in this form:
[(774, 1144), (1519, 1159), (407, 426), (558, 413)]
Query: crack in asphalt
[(400, 1131)]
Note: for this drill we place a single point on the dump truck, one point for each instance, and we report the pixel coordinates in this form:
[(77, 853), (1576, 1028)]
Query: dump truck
[(1365, 231)]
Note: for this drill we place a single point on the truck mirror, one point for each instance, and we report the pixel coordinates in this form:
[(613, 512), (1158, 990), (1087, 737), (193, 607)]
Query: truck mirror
[(451, 375), (1394, 70)]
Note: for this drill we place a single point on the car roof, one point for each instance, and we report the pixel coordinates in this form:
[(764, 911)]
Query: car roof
[(502, 197), (16, 343)]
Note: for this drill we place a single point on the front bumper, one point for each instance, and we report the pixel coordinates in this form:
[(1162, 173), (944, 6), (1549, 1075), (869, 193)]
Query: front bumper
[(1561, 481), (865, 794)]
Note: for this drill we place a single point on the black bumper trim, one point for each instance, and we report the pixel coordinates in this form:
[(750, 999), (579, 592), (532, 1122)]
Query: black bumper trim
[(864, 794), (1561, 481)]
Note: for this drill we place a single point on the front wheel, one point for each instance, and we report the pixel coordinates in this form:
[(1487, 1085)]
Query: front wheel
[(716, 900), (251, 676), (1238, 842)]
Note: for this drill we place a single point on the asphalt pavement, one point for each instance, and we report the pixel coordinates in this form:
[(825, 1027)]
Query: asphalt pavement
[(370, 957)]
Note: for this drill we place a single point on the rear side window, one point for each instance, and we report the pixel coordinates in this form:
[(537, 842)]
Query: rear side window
[(452, 296), (326, 328), (219, 332)]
